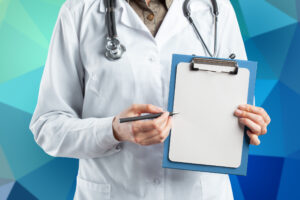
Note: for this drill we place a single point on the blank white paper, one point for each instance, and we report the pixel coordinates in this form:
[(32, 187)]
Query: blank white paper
[(206, 131)]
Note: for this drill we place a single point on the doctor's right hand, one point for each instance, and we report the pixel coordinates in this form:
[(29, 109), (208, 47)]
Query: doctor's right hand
[(144, 132)]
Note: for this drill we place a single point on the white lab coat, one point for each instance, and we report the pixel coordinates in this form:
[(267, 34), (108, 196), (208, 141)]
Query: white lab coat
[(81, 91)]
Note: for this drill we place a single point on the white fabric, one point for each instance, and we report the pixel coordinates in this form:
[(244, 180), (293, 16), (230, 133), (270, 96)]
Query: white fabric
[(81, 91)]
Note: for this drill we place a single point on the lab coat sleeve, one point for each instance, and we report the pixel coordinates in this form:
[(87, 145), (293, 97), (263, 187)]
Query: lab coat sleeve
[(56, 123)]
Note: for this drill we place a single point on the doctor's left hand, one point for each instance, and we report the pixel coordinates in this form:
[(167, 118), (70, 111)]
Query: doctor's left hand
[(256, 119), (144, 132)]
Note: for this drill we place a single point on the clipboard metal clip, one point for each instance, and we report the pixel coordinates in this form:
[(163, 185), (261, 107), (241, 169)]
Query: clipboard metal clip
[(216, 65)]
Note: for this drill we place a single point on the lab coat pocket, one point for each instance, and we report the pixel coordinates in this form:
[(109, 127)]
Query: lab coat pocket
[(91, 190)]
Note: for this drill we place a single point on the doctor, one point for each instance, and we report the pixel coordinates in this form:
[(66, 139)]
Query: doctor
[(83, 94)]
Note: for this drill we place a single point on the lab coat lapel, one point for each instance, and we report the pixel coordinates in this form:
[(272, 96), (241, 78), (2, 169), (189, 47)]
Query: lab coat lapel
[(130, 19), (125, 15), (174, 20), (173, 23)]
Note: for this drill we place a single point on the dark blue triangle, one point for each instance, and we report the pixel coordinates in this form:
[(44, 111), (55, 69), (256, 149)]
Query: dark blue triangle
[(289, 186), (18, 192), (263, 178)]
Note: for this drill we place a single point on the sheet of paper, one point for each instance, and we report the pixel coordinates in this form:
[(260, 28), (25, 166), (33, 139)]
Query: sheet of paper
[(206, 131)]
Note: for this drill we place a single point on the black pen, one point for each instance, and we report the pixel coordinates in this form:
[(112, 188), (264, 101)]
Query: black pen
[(147, 116)]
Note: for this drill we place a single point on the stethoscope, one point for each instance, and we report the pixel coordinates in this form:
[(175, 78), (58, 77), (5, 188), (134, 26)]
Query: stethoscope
[(115, 50), (187, 14)]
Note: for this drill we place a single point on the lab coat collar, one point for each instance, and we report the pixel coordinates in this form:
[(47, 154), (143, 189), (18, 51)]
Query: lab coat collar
[(119, 4), (123, 13), (174, 21)]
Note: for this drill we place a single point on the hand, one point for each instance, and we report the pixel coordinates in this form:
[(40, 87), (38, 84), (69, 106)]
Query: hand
[(256, 119), (144, 132)]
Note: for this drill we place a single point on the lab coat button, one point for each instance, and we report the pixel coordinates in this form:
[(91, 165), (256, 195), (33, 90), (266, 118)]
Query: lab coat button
[(152, 59), (118, 147), (150, 17), (156, 181)]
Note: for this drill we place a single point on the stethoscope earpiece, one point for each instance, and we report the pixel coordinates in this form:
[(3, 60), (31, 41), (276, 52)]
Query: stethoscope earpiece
[(185, 8)]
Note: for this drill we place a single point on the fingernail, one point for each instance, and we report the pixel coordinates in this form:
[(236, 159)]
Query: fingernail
[(256, 142), (238, 112)]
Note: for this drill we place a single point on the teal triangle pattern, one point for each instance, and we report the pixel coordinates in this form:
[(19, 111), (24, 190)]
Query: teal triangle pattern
[(262, 17), (17, 142), (286, 6), (275, 57), (58, 175), (44, 18), (22, 92)]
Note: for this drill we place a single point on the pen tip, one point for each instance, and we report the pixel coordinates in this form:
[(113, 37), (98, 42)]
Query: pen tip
[(174, 113)]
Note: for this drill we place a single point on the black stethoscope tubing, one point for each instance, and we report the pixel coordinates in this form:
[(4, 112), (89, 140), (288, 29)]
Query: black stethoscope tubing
[(110, 18), (115, 49), (215, 11)]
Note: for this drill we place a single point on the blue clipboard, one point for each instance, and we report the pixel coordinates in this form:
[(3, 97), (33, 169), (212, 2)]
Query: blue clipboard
[(242, 169)]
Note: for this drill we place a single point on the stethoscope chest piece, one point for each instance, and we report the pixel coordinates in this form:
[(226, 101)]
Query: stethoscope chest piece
[(114, 49)]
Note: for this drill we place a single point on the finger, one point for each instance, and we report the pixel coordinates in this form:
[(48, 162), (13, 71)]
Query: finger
[(254, 140), (256, 110), (157, 134), (255, 128), (159, 138), (264, 130), (254, 117), (159, 125), (160, 122), (145, 108), (148, 125)]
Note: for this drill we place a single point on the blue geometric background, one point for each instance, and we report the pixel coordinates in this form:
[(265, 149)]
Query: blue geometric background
[(271, 33)]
